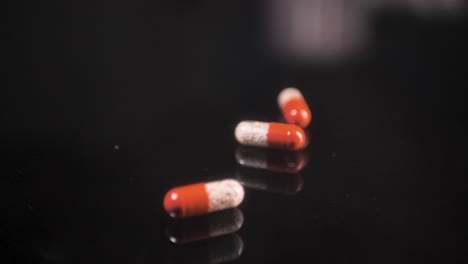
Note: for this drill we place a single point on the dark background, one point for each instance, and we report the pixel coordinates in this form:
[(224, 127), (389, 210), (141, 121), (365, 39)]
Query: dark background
[(109, 104)]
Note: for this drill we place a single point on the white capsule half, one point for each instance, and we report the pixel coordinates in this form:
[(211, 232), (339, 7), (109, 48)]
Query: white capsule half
[(252, 133), (224, 194), (288, 94)]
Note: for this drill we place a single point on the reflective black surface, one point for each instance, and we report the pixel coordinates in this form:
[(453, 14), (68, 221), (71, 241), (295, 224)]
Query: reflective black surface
[(110, 104)]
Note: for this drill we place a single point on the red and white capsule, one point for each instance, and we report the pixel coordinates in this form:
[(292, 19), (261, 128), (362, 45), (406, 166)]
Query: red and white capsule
[(273, 135), (294, 107), (203, 198)]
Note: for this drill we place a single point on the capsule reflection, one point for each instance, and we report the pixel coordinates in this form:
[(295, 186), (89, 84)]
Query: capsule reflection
[(281, 183), (271, 160), (205, 227), (218, 250)]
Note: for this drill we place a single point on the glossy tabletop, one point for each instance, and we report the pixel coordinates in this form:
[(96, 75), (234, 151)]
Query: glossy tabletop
[(111, 104)]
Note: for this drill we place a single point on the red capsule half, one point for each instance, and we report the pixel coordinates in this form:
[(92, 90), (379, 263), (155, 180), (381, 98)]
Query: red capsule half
[(294, 107)]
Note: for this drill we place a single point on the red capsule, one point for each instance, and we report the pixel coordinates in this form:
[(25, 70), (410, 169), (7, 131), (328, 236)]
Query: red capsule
[(273, 135), (294, 107), (203, 198)]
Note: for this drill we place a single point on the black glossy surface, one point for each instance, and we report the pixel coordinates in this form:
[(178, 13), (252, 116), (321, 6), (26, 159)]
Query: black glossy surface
[(109, 105)]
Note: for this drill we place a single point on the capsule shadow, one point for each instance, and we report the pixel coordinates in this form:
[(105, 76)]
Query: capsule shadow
[(281, 183), (213, 251), (271, 160), (183, 231)]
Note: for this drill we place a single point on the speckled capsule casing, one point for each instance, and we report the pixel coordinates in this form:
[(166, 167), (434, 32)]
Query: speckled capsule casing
[(271, 135), (203, 198)]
